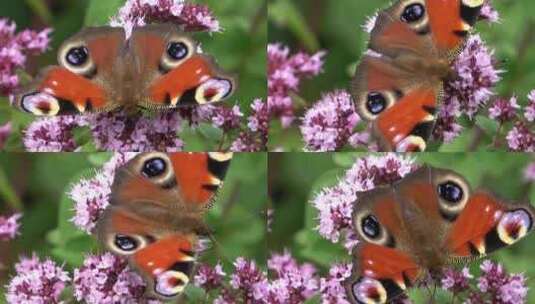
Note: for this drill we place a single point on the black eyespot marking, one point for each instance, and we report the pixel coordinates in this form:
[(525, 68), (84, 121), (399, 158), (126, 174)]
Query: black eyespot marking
[(451, 192), (413, 13), (77, 56), (423, 129), (177, 50), (126, 243), (371, 227), (154, 167), (375, 103)]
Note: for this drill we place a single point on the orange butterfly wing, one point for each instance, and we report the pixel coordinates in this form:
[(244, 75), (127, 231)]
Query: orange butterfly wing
[(398, 84), (155, 215), (68, 89)]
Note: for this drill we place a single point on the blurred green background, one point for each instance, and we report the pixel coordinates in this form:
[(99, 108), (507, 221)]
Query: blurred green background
[(295, 179), (240, 49), (36, 185), (335, 26)]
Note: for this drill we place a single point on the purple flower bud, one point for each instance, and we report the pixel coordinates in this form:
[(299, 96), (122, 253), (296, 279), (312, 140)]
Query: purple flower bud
[(504, 110), (9, 226), (209, 277)]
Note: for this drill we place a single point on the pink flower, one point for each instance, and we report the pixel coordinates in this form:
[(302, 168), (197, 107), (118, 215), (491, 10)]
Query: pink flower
[(36, 282), (5, 131), (292, 283), (335, 204), (209, 278), (521, 138), (91, 196), (258, 120), (530, 108), (489, 13), (256, 137), (331, 287), (477, 76), (456, 281), (14, 50), (52, 134), (118, 131), (446, 127), (330, 123), (107, 279), (249, 280), (501, 287), (192, 17), (9, 226), (225, 118), (504, 110), (284, 75)]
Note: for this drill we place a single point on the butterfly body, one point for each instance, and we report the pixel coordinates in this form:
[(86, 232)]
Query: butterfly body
[(398, 85), (158, 67), (155, 216), (428, 220)]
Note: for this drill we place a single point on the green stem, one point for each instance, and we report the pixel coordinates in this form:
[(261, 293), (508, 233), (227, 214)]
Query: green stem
[(8, 194)]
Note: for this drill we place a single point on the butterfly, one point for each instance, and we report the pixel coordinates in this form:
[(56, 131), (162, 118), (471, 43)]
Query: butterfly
[(398, 84), (158, 67), (429, 219), (155, 216)]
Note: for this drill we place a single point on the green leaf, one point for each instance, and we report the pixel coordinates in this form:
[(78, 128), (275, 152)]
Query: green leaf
[(488, 125), (285, 13), (99, 12), (40, 8)]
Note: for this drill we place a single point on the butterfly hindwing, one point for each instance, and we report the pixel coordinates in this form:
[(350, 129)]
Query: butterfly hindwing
[(155, 215), (401, 108), (399, 83), (383, 267)]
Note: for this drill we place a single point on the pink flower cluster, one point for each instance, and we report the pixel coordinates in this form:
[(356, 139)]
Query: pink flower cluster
[(107, 279), (53, 134), (521, 138), (37, 281), (494, 285), (91, 196), (118, 131), (330, 123), (14, 50), (255, 138), (285, 72), (477, 76), (335, 204), (331, 287), (192, 17), (9, 226), (289, 282)]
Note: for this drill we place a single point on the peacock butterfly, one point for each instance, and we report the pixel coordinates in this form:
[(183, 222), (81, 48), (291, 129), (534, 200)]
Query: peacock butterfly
[(398, 84), (158, 67), (429, 219), (155, 216)]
